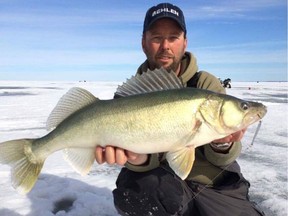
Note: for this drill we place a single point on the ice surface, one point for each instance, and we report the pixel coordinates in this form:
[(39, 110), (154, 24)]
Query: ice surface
[(25, 106)]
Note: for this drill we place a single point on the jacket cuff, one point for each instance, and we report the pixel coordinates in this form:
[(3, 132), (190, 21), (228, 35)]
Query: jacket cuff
[(152, 163), (220, 159), (221, 148)]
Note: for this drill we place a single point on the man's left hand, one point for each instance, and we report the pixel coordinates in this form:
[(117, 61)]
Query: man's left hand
[(235, 137)]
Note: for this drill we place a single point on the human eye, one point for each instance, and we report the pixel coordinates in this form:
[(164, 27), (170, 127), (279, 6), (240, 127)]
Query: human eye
[(173, 38), (156, 38)]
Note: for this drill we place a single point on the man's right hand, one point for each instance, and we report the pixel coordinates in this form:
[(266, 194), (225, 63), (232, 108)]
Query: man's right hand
[(112, 155)]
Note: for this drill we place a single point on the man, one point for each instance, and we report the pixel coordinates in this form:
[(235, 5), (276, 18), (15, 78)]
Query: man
[(147, 185)]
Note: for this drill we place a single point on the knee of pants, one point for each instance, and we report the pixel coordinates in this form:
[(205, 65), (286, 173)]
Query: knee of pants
[(158, 186), (138, 181)]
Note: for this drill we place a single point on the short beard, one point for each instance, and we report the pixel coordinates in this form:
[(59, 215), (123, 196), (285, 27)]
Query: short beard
[(173, 67)]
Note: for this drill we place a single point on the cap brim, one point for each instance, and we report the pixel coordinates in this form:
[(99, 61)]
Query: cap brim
[(167, 17)]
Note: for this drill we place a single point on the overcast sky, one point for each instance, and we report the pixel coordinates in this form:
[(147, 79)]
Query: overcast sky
[(101, 40)]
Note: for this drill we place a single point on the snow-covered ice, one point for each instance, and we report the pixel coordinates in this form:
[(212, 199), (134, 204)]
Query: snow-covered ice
[(25, 106)]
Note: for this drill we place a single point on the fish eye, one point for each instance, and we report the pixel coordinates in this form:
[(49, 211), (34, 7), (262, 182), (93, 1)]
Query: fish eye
[(244, 106)]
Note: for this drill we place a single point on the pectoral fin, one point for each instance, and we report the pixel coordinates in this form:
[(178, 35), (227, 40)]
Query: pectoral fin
[(181, 161)]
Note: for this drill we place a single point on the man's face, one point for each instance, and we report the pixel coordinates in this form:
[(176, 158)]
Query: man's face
[(164, 45)]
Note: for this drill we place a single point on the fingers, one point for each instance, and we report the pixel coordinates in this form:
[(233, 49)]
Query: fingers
[(100, 155), (238, 135), (235, 137), (136, 159), (224, 139), (131, 155), (110, 155), (121, 157)]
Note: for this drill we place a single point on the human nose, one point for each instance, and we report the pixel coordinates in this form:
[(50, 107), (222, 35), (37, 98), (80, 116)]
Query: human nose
[(165, 44)]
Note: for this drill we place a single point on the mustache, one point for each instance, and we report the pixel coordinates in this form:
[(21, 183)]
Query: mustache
[(165, 54)]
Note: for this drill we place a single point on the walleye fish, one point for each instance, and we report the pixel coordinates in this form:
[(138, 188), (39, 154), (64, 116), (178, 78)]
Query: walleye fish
[(155, 114)]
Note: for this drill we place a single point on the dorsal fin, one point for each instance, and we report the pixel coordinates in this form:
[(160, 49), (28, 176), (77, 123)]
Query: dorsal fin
[(150, 81), (75, 99)]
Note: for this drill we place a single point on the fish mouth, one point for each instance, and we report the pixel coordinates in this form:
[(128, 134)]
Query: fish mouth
[(250, 119), (262, 112)]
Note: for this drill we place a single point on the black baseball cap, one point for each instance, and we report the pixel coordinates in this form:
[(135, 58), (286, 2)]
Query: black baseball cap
[(164, 10)]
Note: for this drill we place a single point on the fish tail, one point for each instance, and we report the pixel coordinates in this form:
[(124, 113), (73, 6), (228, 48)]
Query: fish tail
[(25, 167)]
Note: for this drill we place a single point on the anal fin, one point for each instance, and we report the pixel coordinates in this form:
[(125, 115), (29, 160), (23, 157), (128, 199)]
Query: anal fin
[(81, 159)]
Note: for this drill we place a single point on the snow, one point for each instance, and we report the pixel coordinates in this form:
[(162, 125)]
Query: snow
[(25, 106)]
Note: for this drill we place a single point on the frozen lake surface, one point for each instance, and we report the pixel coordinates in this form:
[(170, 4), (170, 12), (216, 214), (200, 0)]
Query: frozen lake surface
[(25, 106)]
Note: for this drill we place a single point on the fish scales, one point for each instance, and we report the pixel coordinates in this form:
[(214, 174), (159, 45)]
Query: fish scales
[(154, 119)]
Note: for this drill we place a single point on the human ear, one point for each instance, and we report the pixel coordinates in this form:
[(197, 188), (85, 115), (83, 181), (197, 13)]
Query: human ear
[(143, 43)]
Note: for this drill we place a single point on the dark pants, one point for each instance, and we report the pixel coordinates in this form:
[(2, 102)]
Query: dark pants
[(160, 192)]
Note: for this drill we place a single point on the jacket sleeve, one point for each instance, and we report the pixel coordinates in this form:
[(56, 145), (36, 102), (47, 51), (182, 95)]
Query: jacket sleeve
[(220, 159), (209, 82), (152, 163)]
